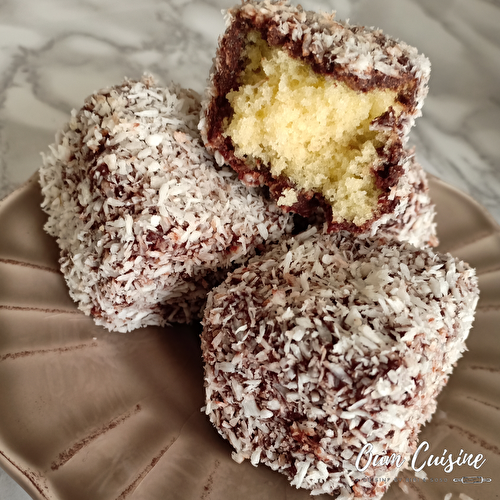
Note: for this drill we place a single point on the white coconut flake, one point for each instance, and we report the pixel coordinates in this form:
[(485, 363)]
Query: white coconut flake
[(154, 140), (225, 367)]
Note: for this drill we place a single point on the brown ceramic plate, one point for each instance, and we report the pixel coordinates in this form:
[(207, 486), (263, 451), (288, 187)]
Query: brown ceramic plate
[(90, 415)]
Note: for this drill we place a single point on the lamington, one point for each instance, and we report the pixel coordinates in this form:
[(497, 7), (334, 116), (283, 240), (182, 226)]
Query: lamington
[(146, 222), (316, 109), (329, 350)]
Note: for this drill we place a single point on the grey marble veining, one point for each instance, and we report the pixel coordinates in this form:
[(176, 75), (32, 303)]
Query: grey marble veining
[(458, 136), (53, 53)]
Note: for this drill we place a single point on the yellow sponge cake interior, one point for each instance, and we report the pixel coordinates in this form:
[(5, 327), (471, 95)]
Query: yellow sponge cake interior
[(310, 128)]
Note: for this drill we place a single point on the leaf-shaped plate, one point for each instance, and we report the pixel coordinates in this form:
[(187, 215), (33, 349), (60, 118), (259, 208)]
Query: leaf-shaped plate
[(88, 414)]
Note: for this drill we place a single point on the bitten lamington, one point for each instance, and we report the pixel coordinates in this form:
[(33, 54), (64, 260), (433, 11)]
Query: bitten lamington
[(316, 109), (328, 343), (144, 218)]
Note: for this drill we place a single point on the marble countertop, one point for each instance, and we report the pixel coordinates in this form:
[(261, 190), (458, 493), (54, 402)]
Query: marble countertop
[(53, 53)]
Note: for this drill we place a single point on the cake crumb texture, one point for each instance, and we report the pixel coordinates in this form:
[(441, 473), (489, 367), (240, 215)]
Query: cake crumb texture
[(310, 128)]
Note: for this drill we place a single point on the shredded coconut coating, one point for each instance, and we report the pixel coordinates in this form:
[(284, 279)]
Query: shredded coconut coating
[(144, 219), (359, 49), (413, 221), (327, 343)]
